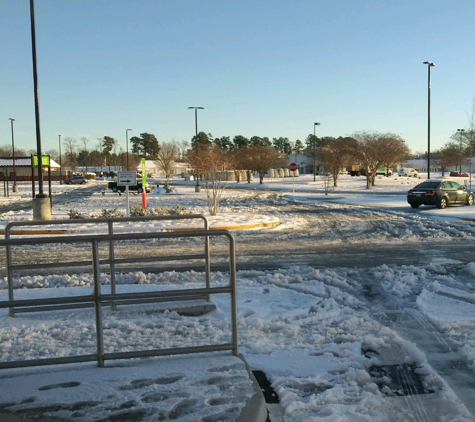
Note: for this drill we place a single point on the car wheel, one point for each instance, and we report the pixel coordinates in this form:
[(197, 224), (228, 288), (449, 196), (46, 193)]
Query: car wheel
[(114, 189), (139, 190), (415, 205), (443, 203), (470, 199), (415, 175)]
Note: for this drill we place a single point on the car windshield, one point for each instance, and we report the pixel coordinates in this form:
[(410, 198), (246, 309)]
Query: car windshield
[(427, 185)]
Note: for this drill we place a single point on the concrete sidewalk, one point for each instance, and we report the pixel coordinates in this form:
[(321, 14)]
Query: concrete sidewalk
[(42, 394), (137, 389)]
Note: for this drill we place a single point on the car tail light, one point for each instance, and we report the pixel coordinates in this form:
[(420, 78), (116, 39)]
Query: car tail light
[(430, 193), (409, 192)]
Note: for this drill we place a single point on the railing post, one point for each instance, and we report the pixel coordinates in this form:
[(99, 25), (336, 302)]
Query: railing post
[(8, 256), (207, 260), (232, 282), (111, 263), (98, 303), (11, 312)]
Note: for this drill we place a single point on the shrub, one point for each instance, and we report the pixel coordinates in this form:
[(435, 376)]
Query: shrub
[(104, 214), (110, 213), (75, 214), (139, 211)]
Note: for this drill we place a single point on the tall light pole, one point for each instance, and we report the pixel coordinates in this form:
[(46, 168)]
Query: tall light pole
[(314, 152), (461, 136), (60, 163), (15, 187), (197, 187), (429, 65), (42, 205), (127, 146)]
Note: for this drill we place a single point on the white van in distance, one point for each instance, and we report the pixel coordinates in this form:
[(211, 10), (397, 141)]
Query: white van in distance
[(407, 171)]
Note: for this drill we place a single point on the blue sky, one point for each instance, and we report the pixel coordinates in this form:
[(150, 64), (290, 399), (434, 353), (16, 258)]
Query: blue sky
[(265, 68)]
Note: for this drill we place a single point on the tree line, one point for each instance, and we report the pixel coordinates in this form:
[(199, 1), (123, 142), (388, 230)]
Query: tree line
[(255, 154)]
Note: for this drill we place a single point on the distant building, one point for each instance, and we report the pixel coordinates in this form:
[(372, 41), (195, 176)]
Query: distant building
[(154, 169), (23, 169)]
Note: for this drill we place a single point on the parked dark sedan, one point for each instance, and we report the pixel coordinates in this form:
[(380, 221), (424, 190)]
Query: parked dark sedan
[(440, 193)]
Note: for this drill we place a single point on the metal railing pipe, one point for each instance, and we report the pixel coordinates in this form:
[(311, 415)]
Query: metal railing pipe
[(110, 230), (98, 299), (98, 304)]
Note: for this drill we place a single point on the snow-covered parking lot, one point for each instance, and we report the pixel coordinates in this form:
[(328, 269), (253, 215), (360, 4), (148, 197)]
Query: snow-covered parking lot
[(357, 343)]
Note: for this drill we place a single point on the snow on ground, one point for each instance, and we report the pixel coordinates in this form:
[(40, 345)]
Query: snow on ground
[(313, 332)]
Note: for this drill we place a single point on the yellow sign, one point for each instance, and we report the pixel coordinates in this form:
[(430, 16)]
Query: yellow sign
[(44, 160)]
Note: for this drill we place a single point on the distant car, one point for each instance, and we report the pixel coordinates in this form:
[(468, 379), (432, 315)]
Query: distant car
[(440, 193), (75, 180), (458, 174), (407, 171)]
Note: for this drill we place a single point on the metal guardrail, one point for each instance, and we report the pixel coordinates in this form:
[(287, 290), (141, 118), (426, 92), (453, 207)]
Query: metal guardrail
[(98, 299), (112, 261)]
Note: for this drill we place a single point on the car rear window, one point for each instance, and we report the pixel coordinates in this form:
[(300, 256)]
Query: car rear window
[(427, 185)]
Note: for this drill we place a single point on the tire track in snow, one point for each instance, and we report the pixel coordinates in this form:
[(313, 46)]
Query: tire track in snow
[(413, 401), (428, 325)]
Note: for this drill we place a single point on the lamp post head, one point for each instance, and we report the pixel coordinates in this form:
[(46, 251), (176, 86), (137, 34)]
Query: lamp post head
[(11, 119), (316, 124), (460, 130), (197, 108), (429, 63)]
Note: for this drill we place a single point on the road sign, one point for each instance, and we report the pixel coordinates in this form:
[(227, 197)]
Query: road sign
[(126, 178), (293, 166), (45, 160)]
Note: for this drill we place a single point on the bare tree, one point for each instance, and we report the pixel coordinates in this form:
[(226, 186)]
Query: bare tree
[(336, 155), (84, 153), (213, 163), (469, 135), (167, 157), (375, 150), (260, 159), (70, 155), (448, 155), (54, 154), (6, 151), (184, 145)]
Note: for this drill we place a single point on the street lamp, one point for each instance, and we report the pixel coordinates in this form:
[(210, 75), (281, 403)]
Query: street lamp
[(314, 152), (15, 187), (429, 65), (461, 136), (60, 163), (197, 187), (127, 146)]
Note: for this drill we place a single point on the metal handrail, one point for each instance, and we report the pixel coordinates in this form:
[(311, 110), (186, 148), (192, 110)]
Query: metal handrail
[(99, 299), (109, 222)]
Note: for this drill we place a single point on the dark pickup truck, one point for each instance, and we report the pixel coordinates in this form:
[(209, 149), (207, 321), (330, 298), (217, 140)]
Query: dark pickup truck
[(138, 187)]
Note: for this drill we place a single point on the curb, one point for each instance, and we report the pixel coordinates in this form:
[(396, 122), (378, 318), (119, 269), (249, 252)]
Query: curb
[(170, 229), (27, 232), (255, 409), (229, 228)]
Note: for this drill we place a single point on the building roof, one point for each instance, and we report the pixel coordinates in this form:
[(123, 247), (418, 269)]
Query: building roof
[(22, 162)]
